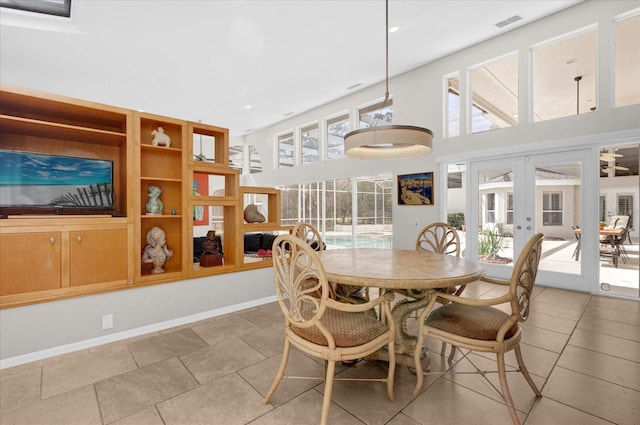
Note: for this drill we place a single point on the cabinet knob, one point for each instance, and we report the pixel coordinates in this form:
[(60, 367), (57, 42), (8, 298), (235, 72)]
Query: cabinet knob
[(79, 238), (52, 240)]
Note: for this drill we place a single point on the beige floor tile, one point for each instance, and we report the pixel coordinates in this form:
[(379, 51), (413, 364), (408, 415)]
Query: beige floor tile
[(445, 403), (229, 400), (262, 374), (552, 323), (224, 328), (599, 398), (165, 346), (547, 412), (147, 416), (610, 327), (561, 296), (622, 316), (265, 315), (19, 389), (521, 393), (402, 419), (606, 344), (608, 368), (130, 392), (544, 338), (79, 371), (76, 407), (539, 362), (618, 304), (306, 409), (566, 311), (268, 340), (211, 363), (368, 401)]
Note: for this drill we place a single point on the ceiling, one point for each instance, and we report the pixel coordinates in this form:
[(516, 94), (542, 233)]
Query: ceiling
[(209, 60)]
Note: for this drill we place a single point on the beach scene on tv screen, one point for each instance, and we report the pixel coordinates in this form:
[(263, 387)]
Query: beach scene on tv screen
[(41, 180)]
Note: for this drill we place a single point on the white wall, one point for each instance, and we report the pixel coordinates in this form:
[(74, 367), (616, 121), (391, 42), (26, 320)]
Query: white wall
[(45, 329)]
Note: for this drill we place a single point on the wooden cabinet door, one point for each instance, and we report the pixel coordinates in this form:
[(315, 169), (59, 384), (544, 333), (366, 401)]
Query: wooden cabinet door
[(97, 256), (29, 262)]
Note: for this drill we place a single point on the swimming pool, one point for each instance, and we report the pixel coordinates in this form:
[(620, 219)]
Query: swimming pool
[(362, 241)]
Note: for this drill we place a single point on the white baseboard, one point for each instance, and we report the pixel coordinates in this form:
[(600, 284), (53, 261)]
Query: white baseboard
[(93, 342)]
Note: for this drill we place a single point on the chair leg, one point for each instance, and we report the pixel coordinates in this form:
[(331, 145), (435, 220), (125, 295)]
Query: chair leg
[(525, 372), (506, 395), (280, 374), (451, 354), (328, 388), (392, 371)]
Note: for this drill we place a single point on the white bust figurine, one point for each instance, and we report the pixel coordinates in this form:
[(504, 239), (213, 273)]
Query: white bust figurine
[(156, 251)]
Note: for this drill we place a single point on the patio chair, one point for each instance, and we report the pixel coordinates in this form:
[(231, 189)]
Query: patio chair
[(617, 242), (324, 328), (346, 293), (476, 325)]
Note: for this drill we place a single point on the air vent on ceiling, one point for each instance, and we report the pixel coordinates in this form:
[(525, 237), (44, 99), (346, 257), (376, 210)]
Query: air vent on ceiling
[(506, 22)]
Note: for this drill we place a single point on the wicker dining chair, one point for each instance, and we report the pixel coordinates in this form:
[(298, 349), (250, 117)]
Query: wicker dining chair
[(325, 328), (441, 238), (346, 293), (476, 325)]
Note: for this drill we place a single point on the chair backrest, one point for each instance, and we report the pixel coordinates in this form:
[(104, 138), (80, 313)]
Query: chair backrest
[(295, 264), (618, 221), (308, 233), (523, 277), (440, 238)]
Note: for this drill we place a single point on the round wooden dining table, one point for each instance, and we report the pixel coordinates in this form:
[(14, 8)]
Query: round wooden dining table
[(413, 274)]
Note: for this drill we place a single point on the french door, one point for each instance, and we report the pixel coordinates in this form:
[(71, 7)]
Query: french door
[(511, 199)]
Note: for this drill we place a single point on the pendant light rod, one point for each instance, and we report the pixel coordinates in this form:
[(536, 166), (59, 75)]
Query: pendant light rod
[(388, 141)]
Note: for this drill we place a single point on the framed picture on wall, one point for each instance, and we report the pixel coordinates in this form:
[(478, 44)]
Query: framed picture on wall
[(415, 189)]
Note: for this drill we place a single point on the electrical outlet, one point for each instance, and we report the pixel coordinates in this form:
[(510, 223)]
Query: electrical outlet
[(107, 321)]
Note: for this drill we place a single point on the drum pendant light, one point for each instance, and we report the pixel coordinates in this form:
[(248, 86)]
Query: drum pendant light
[(388, 141)]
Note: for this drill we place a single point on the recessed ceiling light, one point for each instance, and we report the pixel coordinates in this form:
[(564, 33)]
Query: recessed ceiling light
[(248, 106), (288, 113), (508, 21), (570, 61), (354, 86), (394, 29)]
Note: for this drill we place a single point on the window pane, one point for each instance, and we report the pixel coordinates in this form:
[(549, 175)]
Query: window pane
[(48, 7), (310, 138), (453, 106), (495, 95), (376, 115), (627, 62), (254, 160), (556, 93), (336, 130), (285, 150)]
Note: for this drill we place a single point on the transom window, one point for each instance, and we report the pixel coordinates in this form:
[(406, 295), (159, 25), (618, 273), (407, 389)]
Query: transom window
[(336, 129), (310, 144), (376, 114), (285, 150), (47, 7)]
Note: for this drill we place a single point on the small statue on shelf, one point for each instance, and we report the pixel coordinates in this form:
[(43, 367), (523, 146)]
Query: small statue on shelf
[(154, 204), (210, 245), (156, 252), (160, 138), (211, 255)]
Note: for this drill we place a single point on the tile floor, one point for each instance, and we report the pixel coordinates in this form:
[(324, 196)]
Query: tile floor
[(583, 351)]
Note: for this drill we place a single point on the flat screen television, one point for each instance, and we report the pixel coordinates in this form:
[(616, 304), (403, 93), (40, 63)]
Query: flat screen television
[(37, 183)]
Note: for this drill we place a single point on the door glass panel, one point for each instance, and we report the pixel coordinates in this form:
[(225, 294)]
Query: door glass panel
[(495, 235), (619, 194), (558, 193)]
